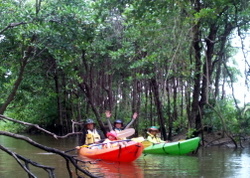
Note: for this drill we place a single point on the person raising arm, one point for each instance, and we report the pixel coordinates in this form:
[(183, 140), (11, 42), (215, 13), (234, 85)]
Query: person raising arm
[(118, 124)]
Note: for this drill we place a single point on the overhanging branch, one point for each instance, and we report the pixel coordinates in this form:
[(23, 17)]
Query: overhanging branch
[(20, 158), (11, 25), (2, 117), (69, 158)]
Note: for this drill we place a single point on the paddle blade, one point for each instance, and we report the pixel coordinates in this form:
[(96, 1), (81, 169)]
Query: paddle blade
[(126, 133), (138, 139), (146, 143)]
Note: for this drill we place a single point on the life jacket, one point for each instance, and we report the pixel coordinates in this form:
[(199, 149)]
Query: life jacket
[(92, 136), (154, 139)]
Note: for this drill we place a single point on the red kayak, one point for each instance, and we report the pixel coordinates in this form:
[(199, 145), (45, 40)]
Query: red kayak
[(123, 152)]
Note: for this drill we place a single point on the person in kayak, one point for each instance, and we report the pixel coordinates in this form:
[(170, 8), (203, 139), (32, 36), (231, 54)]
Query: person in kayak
[(112, 137), (152, 135), (91, 134), (118, 124)]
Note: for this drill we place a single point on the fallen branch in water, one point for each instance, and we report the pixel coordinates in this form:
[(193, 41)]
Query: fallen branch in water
[(20, 158), (69, 158)]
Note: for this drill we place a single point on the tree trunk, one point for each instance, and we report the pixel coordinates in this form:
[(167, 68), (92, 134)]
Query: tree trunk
[(159, 107), (175, 112), (24, 61), (196, 44), (59, 103), (87, 87), (152, 122), (169, 112)]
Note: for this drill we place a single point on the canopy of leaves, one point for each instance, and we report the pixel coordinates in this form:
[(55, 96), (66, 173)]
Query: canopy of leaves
[(82, 57)]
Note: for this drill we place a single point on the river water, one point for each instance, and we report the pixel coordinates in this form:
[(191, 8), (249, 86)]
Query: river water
[(208, 162)]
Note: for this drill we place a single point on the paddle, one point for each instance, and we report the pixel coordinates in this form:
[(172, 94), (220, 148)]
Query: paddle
[(138, 139), (122, 134), (127, 140), (146, 143), (126, 133)]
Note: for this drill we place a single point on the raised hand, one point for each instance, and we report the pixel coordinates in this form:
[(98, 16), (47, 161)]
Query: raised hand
[(135, 115), (108, 114)]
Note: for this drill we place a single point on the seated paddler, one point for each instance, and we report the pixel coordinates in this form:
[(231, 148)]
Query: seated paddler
[(112, 140), (153, 135), (91, 134)]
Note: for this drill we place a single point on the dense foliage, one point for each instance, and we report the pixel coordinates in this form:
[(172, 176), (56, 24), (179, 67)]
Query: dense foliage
[(167, 60)]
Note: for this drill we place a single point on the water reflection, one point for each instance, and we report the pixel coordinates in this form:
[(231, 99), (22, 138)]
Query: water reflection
[(244, 164), (148, 166), (9, 168), (169, 166), (224, 162), (115, 169)]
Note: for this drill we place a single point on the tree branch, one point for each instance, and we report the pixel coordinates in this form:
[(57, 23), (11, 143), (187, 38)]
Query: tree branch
[(2, 117), (69, 158), (223, 124), (20, 158), (11, 25)]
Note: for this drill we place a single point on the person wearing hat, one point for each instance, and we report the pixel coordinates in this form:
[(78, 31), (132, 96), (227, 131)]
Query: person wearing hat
[(118, 124), (152, 135), (91, 134), (112, 137)]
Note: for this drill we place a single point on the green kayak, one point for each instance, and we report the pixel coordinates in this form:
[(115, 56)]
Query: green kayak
[(174, 148)]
